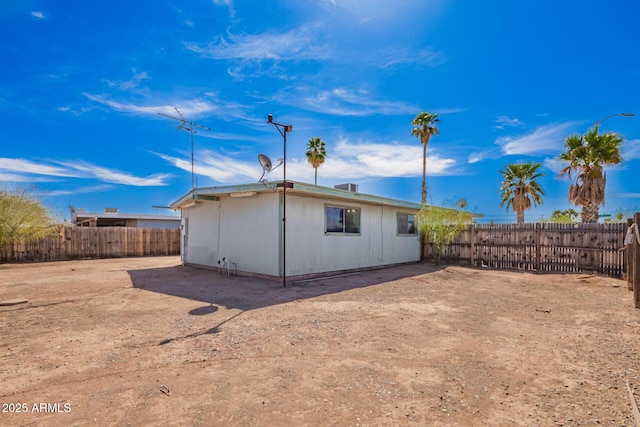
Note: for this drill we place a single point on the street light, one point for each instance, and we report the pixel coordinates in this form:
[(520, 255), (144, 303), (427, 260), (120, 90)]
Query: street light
[(612, 115), (283, 129)]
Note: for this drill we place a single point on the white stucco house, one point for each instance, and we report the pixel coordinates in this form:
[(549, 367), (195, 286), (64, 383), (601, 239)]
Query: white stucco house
[(327, 229)]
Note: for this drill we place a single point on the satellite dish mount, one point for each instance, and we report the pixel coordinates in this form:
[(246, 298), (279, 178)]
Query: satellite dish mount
[(267, 165)]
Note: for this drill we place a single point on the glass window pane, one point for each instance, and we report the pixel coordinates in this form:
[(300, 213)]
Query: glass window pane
[(412, 225), (335, 222), (352, 221), (406, 223)]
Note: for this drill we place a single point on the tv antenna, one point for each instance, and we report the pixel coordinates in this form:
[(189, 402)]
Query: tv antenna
[(190, 127), (267, 165)]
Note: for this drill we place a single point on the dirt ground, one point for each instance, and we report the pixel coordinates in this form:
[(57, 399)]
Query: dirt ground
[(146, 341)]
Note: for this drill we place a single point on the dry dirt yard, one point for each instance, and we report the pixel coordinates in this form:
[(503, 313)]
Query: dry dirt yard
[(146, 341)]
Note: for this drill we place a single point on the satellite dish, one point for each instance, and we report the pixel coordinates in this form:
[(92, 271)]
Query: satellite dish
[(267, 165), (462, 203), (265, 162)]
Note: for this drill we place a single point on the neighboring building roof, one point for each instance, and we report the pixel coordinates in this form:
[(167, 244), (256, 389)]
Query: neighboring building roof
[(294, 187), (106, 218)]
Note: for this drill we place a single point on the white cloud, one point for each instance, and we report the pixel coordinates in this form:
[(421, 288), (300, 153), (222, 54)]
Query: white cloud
[(38, 15), (217, 166), (548, 138), (332, 37), (383, 160), (90, 189), (348, 161), (295, 45), (224, 167), (554, 164), (379, 12), (12, 177), (209, 104), (21, 166), (228, 4), (544, 139), (631, 149), (483, 155), (389, 58), (187, 107), (504, 121), (20, 170), (344, 102), (88, 170), (131, 84)]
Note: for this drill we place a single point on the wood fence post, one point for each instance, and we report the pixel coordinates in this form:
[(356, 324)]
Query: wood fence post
[(537, 234), (636, 263), (472, 228), (628, 259)]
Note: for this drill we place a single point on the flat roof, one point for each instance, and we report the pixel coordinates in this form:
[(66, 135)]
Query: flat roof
[(294, 187)]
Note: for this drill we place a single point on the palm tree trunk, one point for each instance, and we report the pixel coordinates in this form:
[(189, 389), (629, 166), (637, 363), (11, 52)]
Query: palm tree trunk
[(520, 217), (424, 172), (590, 212), (315, 180)]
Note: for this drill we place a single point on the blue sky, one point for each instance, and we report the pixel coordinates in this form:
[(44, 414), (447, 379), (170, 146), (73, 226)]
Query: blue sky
[(82, 84)]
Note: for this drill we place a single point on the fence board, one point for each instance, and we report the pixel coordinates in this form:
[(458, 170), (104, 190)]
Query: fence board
[(95, 242), (542, 247)]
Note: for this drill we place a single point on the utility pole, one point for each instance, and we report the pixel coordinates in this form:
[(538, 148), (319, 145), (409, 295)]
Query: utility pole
[(283, 129)]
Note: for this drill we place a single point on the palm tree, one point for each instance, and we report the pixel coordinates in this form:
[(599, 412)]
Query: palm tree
[(587, 155), (316, 154), (519, 187), (425, 126), (565, 216)]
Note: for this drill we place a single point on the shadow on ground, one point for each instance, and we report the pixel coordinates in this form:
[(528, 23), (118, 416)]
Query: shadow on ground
[(248, 293)]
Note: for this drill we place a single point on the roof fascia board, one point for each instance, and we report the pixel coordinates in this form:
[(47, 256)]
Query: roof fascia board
[(301, 188)]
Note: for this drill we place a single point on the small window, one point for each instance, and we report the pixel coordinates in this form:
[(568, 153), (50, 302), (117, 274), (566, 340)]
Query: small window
[(406, 224), (342, 220)]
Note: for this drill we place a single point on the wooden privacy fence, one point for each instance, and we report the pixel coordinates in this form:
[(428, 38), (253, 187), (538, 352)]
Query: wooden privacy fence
[(542, 247), (95, 242)]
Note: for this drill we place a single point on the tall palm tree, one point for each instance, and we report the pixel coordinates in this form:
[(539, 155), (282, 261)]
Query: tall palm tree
[(519, 187), (425, 126), (587, 155), (316, 154)]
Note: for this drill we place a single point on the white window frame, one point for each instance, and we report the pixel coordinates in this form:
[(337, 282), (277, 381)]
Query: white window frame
[(415, 224), (346, 210)]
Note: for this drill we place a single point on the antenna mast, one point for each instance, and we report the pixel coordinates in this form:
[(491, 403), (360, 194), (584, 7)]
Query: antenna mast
[(190, 127)]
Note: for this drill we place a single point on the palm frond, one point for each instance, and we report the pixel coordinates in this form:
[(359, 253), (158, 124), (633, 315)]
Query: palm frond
[(587, 155), (425, 126), (520, 188)]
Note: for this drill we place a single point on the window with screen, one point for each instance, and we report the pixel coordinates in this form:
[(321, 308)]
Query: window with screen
[(345, 220), (406, 224)]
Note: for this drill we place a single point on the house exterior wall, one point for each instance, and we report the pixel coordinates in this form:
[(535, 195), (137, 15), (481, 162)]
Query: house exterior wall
[(243, 230), (247, 230), (310, 250)]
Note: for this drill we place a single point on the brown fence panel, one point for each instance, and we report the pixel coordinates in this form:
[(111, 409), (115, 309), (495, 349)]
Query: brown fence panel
[(95, 242), (544, 247)]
